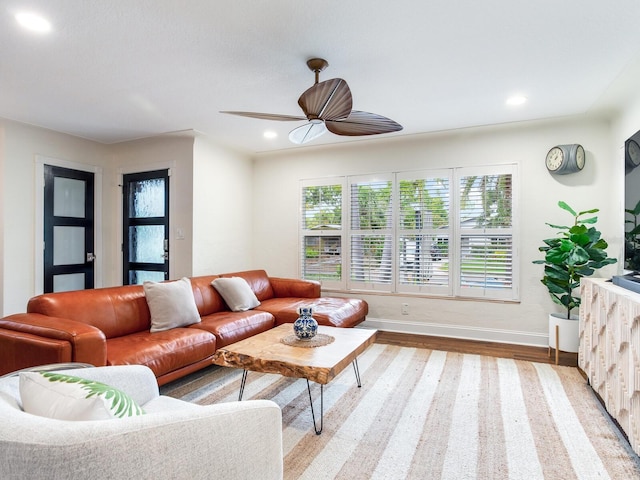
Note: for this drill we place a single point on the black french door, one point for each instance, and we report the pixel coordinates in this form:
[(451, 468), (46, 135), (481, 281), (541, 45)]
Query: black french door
[(68, 229), (145, 227)]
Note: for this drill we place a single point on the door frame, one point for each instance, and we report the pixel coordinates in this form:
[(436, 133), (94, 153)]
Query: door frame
[(170, 167), (40, 162)]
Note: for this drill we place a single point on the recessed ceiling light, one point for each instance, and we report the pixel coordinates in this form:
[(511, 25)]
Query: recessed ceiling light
[(34, 22), (269, 134), (516, 100)]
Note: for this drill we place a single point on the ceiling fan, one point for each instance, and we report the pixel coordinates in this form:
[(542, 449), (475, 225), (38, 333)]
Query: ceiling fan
[(327, 106)]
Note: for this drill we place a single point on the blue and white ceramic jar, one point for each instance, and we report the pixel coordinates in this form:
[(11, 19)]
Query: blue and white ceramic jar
[(305, 327)]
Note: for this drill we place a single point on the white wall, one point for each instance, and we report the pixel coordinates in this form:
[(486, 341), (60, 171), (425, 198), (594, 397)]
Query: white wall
[(276, 211), (21, 145), (220, 181), (237, 213), (222, 210)]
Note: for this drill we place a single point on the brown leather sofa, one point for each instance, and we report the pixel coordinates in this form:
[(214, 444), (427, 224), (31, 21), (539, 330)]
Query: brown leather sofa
[(110, 326)]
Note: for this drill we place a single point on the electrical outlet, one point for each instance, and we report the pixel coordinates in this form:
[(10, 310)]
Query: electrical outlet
[(405, 309)]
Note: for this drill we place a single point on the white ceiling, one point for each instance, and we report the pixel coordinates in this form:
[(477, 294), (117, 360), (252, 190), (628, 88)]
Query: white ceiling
[(116, 70)]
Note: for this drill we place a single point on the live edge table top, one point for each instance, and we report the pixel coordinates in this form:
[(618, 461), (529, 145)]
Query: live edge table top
[(266, 353)]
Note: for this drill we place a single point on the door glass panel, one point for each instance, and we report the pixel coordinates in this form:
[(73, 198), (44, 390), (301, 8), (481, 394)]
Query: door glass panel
[(68, 245), (147, 198), (146, 244), (137, 277), (68, 197), (68, 282)]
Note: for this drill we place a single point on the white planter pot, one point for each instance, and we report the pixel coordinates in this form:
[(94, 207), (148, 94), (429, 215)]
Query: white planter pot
[(568, 332)]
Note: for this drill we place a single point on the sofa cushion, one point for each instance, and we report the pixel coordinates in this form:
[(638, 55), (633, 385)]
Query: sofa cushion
[(330, 311), (208, 300), (231, 327), (171, 304), (67, 397), (163, 352), (258, 280), (236, 293)]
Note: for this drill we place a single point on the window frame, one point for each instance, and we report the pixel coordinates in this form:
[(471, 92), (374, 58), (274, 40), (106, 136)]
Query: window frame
[(453, 232), (339, 284), (373, 286)]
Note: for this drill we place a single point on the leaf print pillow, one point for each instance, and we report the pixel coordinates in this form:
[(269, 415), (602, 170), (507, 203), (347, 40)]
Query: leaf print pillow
[(65, 397)]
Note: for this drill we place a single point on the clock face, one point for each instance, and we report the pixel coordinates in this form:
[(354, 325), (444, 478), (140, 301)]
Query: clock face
[(555, 158), (580, 157), (633, 150)]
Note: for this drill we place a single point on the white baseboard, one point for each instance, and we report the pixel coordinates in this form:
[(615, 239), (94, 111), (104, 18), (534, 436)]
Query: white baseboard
[(459, 331)]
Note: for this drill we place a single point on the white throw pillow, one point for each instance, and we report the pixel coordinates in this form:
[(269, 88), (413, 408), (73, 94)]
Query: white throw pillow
[(65, 397), (236, 293), (171, 304)]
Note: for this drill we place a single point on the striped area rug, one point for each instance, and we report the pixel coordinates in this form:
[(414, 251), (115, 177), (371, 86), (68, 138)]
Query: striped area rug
[(428, 414)]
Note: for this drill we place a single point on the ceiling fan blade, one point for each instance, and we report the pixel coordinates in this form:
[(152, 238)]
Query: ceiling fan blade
[(363, 123), (267, 116), (307, 132), (328, 100)]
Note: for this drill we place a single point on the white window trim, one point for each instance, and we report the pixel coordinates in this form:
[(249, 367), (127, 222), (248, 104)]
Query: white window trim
[(453, 289)]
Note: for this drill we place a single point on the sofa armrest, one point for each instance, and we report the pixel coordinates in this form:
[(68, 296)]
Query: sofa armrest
[(239, 440), (88, 343), (293, 287)]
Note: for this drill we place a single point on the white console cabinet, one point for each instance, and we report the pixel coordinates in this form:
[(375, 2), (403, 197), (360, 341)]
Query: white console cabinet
[(609, 351)]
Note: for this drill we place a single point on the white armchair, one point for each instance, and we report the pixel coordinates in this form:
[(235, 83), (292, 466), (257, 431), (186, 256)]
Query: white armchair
[(173, 440)]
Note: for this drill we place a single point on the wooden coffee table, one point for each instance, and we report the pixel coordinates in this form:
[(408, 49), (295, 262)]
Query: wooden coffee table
[(267, 354)]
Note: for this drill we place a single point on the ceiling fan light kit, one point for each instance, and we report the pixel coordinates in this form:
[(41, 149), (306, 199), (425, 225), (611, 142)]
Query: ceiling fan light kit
[(328, 106)]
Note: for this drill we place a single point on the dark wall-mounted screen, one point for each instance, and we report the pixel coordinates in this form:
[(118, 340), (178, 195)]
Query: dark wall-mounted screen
[(632, 202)]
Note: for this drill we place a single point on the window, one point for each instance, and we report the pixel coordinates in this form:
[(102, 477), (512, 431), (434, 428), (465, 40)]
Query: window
[(485, 222), (438, 232), (322, 238), (371, 233), (423, 232)]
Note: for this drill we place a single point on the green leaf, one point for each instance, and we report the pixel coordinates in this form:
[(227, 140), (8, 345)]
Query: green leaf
[(578, 256), (578, 230), (593, 210), (596, 254), (556, 256), (122, 405), (566, 245), (554, 288), (561, 227), (600, 244), (581, 239), (566, 207)]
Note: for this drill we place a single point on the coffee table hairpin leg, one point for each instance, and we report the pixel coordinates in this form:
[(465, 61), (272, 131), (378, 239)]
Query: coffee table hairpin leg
[(242, 383), (318, 431), (313, 416)]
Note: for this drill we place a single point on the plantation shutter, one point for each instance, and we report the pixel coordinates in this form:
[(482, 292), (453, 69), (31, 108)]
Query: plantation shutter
[(486, 246), (371, 233), (322, 233), (423, 232)]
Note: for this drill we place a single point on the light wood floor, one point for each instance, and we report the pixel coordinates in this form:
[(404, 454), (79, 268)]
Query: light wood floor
[(517, 352)]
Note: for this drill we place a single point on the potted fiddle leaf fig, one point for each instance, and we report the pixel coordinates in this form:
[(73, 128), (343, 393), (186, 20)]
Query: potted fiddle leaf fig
[(577, 251)]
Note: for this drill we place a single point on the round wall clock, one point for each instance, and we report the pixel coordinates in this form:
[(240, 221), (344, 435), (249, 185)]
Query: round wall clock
[(565, 159), (632, 156)]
